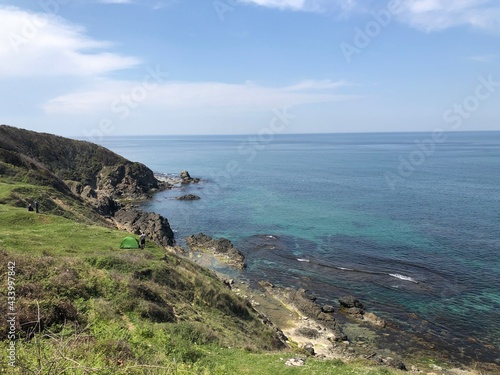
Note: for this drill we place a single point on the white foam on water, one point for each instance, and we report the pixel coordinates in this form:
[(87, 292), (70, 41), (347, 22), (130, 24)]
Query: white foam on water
[(403, 277)]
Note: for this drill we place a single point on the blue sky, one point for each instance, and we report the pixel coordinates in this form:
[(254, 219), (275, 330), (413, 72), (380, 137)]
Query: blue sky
[(125, 67)]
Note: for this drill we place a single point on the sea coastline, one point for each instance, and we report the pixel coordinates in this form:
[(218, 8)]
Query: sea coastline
[(215, 224), (388, 345), (419, 352)]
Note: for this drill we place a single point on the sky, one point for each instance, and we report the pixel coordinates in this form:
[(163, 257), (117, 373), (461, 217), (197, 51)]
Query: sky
[(100, 68)]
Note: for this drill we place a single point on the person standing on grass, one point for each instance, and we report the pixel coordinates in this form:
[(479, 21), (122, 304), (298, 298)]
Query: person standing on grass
[(142, 239), (36, 207)]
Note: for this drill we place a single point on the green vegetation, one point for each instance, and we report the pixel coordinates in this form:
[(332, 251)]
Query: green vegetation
[(86, 307)]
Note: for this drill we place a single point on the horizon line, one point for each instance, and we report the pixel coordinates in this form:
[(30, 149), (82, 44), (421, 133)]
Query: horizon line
[(280, 134)]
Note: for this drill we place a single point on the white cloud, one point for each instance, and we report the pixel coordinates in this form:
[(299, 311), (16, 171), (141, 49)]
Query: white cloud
[(483, 58), (158, 4), (308, 5), (282, 4), (426, 15), (109, 96), (116, 1), (317, 85), (434, 15), (43, 44), (46, 47)]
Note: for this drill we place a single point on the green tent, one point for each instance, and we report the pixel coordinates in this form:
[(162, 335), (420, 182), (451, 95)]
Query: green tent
[(129, 242)]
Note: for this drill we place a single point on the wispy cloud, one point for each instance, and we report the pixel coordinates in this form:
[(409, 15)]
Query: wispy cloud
[(158, 4), (426, 15), (40, 44), (318, 6), (63, 51), (116, 1), (175, 95), (282, 4), (483, 58), (434, 15)]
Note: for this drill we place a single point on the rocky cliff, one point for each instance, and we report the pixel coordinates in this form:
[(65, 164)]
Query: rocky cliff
[(80, 171)]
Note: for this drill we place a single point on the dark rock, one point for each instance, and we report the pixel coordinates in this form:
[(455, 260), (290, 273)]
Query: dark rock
[(356, 311), (188, 197), (155, 226), (310, 333), (126, 180), (328, 309), (228, 282), (350, 301), (106, 206), (221, 247), (187, 179), (309, 349)]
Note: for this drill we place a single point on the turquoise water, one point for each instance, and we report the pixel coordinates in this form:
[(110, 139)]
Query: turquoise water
[(403, 230)]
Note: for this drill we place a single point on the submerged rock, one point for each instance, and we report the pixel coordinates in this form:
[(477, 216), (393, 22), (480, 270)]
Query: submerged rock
[(349, 302), (188, 197)]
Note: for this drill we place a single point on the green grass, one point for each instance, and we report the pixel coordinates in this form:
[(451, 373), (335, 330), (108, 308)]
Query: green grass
[(84, 306), (39, 234)]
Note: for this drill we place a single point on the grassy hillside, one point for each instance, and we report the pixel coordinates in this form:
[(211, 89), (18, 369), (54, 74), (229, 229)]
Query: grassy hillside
[(20, 194), (83, 306), (67, 159)]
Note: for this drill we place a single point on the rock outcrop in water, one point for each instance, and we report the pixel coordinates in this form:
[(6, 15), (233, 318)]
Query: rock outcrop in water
[(222, 248), (187, 179)]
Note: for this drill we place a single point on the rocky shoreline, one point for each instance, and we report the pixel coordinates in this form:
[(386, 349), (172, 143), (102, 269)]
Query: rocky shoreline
[(346, 331), (340, 332)]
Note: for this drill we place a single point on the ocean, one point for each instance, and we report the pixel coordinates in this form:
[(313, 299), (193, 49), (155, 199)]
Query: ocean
[(409, 223)]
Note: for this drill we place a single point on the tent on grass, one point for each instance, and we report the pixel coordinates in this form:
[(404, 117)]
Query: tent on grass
[(129, 242)]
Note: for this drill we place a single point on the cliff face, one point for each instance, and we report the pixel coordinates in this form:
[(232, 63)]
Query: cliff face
[(79, 161), (78, 171)]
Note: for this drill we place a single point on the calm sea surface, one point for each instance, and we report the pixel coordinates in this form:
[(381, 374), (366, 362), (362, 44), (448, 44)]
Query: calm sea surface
[(406, 224)]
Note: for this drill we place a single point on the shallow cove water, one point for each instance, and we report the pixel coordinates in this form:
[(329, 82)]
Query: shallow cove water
[(415, 235)]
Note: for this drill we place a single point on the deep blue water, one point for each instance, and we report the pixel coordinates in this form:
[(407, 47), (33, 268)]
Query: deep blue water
[(405, 229)]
